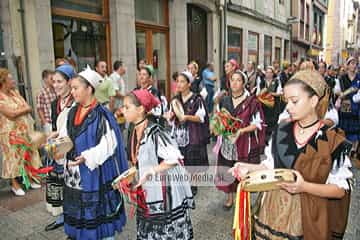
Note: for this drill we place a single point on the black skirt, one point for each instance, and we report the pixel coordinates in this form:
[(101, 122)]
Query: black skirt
[(195, 157)]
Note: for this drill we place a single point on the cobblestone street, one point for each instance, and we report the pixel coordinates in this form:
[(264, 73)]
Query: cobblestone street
[(26, 218)]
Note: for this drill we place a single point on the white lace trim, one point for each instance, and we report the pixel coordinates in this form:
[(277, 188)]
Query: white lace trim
[(356, 97), (269, 160), (339, 175), (169, 152), (201, 113), (256, 120)]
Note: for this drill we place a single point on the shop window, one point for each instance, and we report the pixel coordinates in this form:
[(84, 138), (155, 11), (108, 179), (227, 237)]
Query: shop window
[(277, 49), (307, 32), (82, 41), (81, 31), (286, 49), (320, 39), (267, 50), (253, 47), (235, 44), (302, 9), (152, 40), (151, 11)]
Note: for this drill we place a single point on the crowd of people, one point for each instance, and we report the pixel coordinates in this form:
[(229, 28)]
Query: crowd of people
[(303, 117)]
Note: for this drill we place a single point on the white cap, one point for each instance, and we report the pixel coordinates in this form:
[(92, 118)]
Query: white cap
[(92, 77), (188, 75)]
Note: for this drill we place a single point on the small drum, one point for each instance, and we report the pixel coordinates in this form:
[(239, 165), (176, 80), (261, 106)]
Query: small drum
[(59, 146), (54, 189), (178, 109), (129, 175), (350, 90), (266, 180), (37, 138)]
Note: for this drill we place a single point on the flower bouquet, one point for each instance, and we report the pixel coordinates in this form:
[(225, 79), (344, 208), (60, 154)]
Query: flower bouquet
[(224, 124), (267, 99), (25, 148)]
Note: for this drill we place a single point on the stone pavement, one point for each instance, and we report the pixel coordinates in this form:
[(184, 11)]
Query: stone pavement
[(25, 218)]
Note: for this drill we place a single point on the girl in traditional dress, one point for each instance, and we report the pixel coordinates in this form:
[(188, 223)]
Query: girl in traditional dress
[(270, 85), (146, 82), (250, 143), (331, 117), (15, 121), (349, 111), (59, 110), (92, 209), (158, 161), (193, 68), (192, 131), (316, 205)]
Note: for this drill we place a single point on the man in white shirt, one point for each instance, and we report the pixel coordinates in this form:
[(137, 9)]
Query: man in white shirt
[(118, 82)]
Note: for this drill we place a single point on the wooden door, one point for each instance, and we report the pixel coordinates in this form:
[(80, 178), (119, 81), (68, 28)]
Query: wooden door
[(197, 34)]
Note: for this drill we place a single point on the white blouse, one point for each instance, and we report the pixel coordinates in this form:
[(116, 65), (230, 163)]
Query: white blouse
[(97, 155), (356, 97)]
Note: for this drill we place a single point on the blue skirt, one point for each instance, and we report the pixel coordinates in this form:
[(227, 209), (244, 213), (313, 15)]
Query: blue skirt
[(350, 123), (93, 215)]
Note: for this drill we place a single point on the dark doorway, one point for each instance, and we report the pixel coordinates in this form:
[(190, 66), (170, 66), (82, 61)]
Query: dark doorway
[(197, 34)]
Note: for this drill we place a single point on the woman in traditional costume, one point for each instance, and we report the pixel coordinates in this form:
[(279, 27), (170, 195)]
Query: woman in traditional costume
[(15, 126), (253, 77), (349, 111), (192, 130), (59, 110), (251, 141), (92, 208), (230, 67), (331, 117), (168, 196), (268, 91), (316, 205)]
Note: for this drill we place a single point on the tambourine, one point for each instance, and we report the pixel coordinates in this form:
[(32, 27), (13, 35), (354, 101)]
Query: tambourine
[(129, 175), (37, 138), (350, 91), (58, 146), (178, 109), (120, 119), (266, 180)]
